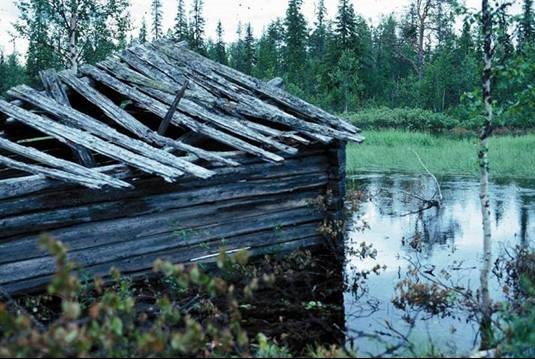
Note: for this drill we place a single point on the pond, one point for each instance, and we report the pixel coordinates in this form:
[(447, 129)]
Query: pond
[(449, 237)]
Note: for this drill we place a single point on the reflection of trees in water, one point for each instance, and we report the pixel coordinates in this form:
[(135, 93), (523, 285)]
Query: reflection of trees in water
[(499, 210), (430, 227)]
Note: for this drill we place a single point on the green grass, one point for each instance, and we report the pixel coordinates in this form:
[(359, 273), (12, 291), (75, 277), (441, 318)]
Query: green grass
[(392, 150)]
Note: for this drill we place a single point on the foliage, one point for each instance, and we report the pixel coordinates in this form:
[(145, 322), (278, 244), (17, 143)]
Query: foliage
[(65, 34), (180, 311), (409, 119), (520, 333)]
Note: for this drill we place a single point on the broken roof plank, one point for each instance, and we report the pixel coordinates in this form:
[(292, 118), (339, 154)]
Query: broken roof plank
[(260, 87), (54, 89), (87, 123), (129, 122), (226, 122), (62, 132), (160, 109), (254, 105), (60, 164), (151, 78), (52, 173)]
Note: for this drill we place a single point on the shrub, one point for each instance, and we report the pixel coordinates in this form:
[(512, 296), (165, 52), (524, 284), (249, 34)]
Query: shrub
[(403, 118)]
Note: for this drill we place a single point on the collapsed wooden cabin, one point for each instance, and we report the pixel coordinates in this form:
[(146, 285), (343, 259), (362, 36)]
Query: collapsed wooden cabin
[(159, 152)]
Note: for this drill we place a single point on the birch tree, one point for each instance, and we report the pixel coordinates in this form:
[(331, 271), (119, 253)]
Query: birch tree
[(71, 29)]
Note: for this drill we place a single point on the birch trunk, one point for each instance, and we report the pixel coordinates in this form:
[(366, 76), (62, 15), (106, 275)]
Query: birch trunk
[(73, 53), (486, 303)]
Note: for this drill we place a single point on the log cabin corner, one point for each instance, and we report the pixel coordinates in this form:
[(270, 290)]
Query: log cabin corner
[(158, 152)]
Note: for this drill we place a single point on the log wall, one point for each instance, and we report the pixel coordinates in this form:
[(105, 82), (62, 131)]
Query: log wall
[(258, 205)]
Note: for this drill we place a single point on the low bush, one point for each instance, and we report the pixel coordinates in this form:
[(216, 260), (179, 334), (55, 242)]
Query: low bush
[(410, 119)]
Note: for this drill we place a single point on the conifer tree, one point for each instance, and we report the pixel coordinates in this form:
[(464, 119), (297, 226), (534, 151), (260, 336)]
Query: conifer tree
[(181, 22), (220, 52), (295, 38), (143, 35), (527, 24), (197, 25), (156, 12)]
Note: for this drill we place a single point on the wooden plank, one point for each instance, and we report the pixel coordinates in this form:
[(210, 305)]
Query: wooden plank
[(128, 250), (129, 122), (179, 119), (248, 104), (151, 63), (259, 87), (54, 90), (52, 173), (87, 123), (169, 115), (58, 163), (62, 132), (42, 221)]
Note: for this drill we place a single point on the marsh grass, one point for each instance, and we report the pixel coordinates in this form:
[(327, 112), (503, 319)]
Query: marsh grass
[(392, 150)]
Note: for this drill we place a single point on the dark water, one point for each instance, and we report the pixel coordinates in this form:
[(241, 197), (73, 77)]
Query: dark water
[(445, 238)]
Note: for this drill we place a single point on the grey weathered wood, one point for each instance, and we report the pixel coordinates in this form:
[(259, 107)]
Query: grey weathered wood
[(172, 110), (129, 122), (42, 221), (160, 110), (62, 165), (263, 243), (257, 175), (28, 185), (55, 90), (278, 95), (226, 122), (52, 173), (62, 132), (157, 243), (252, 106), (87, 123)]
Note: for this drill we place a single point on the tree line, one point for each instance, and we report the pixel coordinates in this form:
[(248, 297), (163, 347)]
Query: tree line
[(429, 56)]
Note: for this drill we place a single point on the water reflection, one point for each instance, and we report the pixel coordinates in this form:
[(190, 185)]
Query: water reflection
[(438, 238)]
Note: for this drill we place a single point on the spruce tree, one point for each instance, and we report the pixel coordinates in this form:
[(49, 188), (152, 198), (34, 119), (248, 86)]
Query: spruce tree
[(249, 50), (181, 22), (197, 25), (220, 52), (527, 24), (143, 35), (295, 37), (156, 12), (345, 25)]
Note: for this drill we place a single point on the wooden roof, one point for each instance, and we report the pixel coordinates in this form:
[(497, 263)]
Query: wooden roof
[(103, 112)]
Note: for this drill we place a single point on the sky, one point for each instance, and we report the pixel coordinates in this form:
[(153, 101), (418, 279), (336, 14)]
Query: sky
[(259, 12)]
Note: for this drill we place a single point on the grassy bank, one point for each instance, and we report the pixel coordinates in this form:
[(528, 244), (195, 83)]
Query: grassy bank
[(392, 150)]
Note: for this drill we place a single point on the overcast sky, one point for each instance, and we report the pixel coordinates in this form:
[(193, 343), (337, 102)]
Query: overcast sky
[(230, 12)]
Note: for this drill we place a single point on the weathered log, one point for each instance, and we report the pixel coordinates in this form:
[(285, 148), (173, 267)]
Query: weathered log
[(55, 91), (179, 119), (159, 242), (62, 132), (52, 173), (87, 123), (169, 115), (145, 187), (129, 122), (41, 221), (62, 165)]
